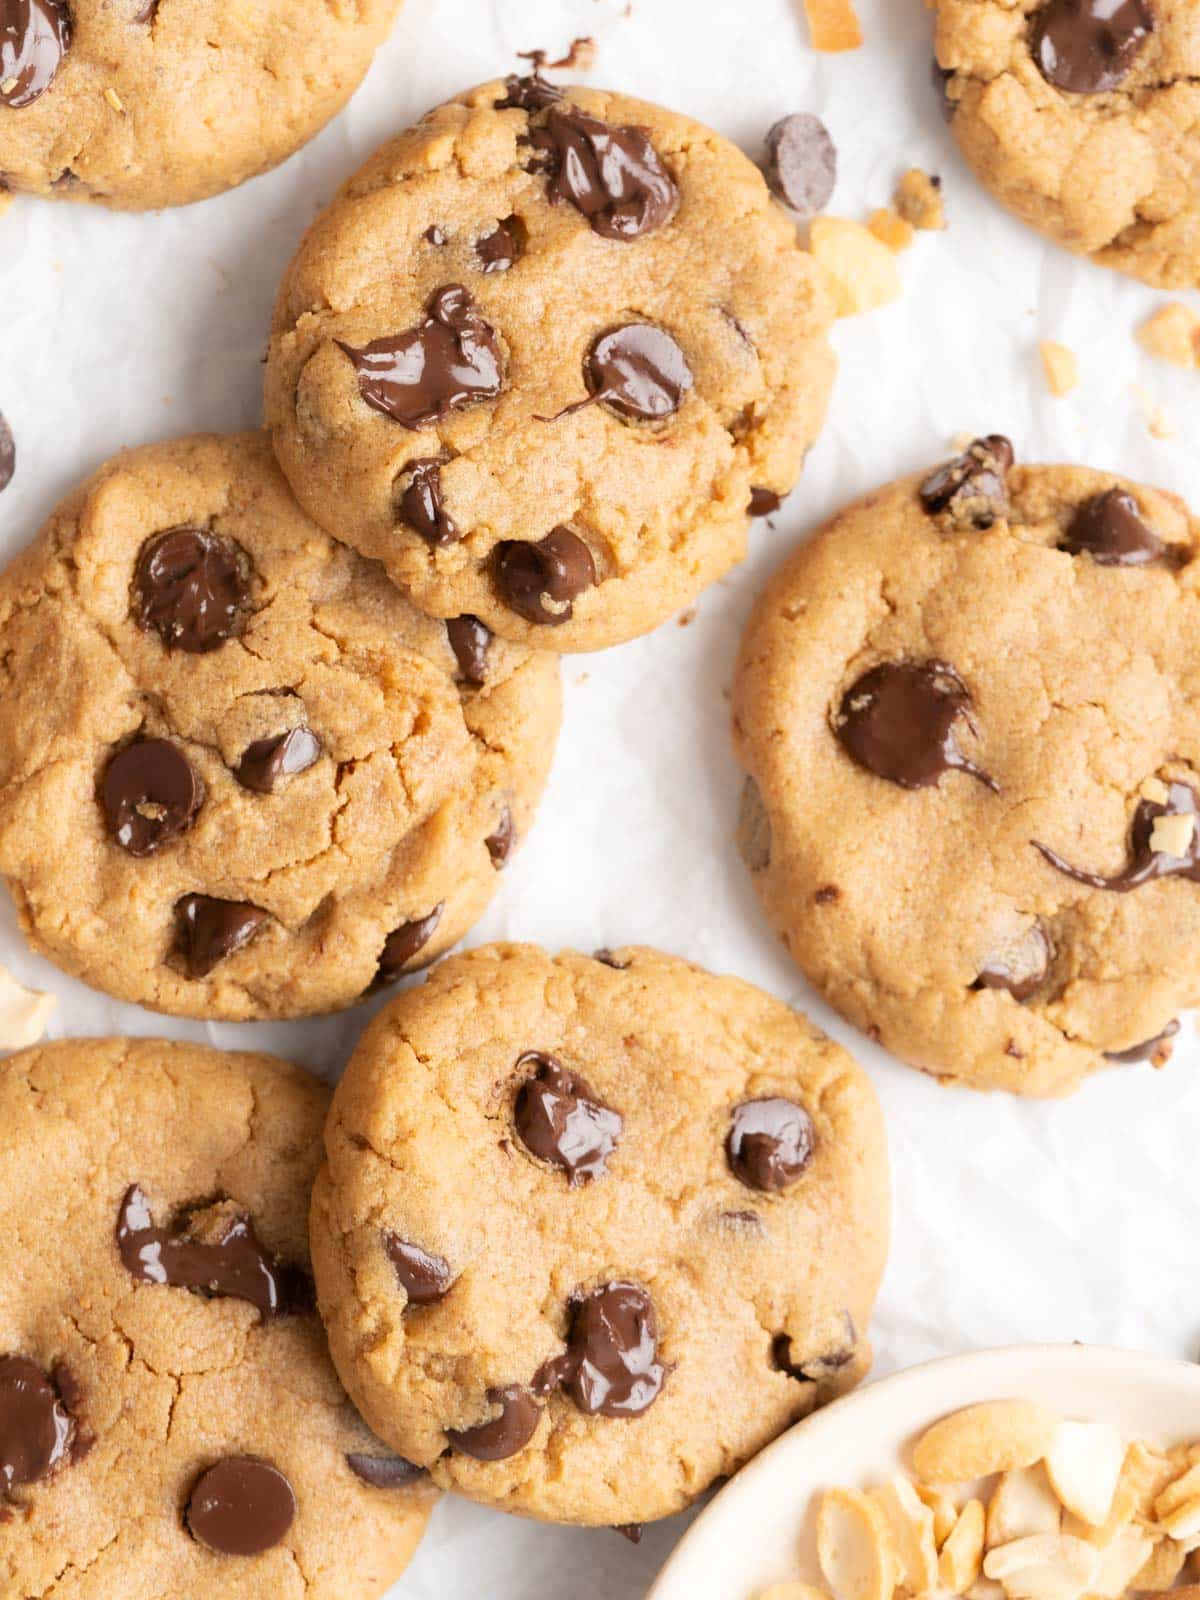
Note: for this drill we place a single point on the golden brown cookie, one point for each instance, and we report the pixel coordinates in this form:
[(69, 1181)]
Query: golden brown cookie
[(594, 1230), (239, 775), (1083, 117), (970, 715), (542, 354), (146, 103), (170, 1425)]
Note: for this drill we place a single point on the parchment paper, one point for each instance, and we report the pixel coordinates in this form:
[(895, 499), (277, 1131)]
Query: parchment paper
[(1013, 1221)]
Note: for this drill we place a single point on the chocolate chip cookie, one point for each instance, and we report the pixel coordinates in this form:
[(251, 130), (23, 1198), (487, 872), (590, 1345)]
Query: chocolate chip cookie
[(170, 1423), (970, 717), (239, 775), (541, 354), (138, 104), (1083, 117), (592, 1230)]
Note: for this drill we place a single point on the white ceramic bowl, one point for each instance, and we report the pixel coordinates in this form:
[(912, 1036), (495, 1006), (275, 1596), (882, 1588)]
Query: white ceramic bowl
[(759, 1529)]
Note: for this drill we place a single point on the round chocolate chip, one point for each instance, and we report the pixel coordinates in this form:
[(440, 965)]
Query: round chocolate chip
[(802, 163), (1110, 529), (613, 175), (192, 588), (504, 1434), (209, 930), (383, 1472), (405, 942), (1089, 46), (150, 793), (241, 1506), (561, 1120), (639, 371), (540, 581), (470, 640), (424, 1277), (611, 1366), (899, 720), (973, 487), (35, 1429), (266, 761), (35, 36), (769, 1144)]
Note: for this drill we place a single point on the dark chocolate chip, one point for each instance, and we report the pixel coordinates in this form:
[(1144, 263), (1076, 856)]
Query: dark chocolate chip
[(470, 639), (424, 1277), (610, 1366), (972, 487), (283, 755), (405, 942), (384, 1472), (632, 1531), (148, 12), (813, 1369), (500, 843), (504, 1434), (505, 244), (561, 1120), (614, 176), (1089, 46), (241, 1506), (1144, 864), (1020, 966), (35, 35), (802, 163), (232, 1265), (421, 503), (192, 588), (540, 581), (530, 93), (8, 454), (769, 1144), (434, 235), (35, 1428), (1109, 528), (607, 959), (899, 721), (423, 374), (827, 895), (150, 793), (764, 502), (639, 370), (1157, 1050), (208, 930)]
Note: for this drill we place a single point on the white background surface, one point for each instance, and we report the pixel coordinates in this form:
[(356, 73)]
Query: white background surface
[(1013, 1221)]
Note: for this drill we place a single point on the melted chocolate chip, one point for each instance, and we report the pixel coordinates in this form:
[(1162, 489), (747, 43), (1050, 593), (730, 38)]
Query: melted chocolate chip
[(812, 1369), (406, 941), (500, 844), (1145, 864), (1089, 46), (540, 581), (562, 1121), (421, 503), (8, 454), (1109, 529), (606, 958), (503, 1435), (1157, 1050), (802, 163), (208, 930), (972, 487), (424, 1277), (632, 1531), (265, 761), (233, 1265), (35, 35), (530, 93), (899, 721), (764, 502), (614, 176), (769, 1144), (384, 1472), (35, 1428), (639, 370), (1020, 967), (150, 794), (448, 361), (241, 1506), (470, 639), (610, 1366), (498, 250), (192, 588), (434, 235)]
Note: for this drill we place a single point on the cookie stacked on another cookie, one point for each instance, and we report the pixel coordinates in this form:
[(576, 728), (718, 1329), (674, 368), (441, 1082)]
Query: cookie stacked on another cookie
[(543, 356), (170, 1424), (239, 775), (970, 716), (592, 1231), (1083, 117)]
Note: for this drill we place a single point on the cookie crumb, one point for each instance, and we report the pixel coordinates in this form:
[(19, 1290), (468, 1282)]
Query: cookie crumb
[(891, 229), (1160, 424), (860, 270), (918, 199), (1061, 367), (833, 25), (1172, 334), (23, 1013)]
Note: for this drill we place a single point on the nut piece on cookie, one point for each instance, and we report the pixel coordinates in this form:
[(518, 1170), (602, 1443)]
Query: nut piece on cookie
[(584, 1202)]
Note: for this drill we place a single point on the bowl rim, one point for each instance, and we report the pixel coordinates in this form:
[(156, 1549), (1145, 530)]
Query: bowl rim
[(1050, 1356)]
